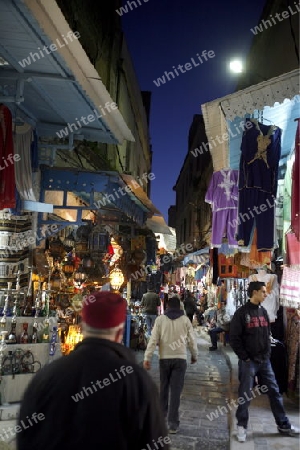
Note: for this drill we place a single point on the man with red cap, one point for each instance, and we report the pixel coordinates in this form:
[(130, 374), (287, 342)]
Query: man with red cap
[(97, 396)]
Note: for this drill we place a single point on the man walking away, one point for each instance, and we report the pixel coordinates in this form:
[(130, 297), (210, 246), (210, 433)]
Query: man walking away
[(150, 304), (173, 332), (97, 397), (190, 306), (250, 340)]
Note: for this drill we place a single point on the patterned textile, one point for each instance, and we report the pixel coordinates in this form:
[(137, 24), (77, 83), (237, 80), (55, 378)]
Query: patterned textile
[(292, 249), (290, 287)]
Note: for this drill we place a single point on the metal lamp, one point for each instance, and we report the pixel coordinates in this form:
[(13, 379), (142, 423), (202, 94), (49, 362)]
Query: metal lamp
[(79, 277), (68, 266), (69, 242), (116, 278)]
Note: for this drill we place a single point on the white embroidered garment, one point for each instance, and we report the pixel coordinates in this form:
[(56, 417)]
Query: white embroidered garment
[(271, 302)]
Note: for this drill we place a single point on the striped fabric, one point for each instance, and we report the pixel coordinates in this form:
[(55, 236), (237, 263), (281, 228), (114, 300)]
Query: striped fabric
[(290, 287)]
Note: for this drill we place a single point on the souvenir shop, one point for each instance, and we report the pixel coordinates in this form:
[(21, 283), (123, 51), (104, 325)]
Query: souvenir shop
[(254, 195)]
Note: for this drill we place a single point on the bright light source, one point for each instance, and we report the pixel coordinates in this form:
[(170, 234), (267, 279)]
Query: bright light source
[(236, 66)]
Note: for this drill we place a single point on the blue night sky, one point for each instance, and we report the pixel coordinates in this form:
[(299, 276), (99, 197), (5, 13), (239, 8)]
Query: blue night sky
[(165, 33)]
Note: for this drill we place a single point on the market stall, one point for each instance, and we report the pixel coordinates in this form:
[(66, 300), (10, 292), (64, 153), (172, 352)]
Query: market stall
[(253, 138)]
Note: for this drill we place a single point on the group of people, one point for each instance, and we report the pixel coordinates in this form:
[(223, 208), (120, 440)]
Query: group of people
[(99, 396), (215, 319)]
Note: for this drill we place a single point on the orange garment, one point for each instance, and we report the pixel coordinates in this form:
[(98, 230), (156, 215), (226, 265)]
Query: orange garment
[(258, 259)]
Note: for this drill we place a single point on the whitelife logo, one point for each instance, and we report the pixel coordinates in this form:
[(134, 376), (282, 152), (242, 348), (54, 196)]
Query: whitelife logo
[(235, 403), (86, 391), (42, 52), (124, 9), (187, 66), (279, 17)]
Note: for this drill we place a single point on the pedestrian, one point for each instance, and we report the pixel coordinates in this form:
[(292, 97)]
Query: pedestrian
[(97, 396), (250, 340), (219, 323), (172, 332), (150, 305), (190, 306)]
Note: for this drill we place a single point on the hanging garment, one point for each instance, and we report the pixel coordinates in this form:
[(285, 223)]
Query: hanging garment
[(7, 175), (292, 249), (231, 302), (258, 176), (222, 194), (260, 155), (256, 209), (255, 259), (293, 330), (296, 186), (271, 302), (23, 138), (287, 197), (290, 287), (279, 208)]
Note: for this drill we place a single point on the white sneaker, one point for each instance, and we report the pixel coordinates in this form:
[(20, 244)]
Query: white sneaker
[(241, 434)]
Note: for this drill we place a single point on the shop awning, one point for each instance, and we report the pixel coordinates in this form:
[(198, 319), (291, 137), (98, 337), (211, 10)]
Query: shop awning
[(198, 257), (140, 193), (158, 225), (220, 114), (76, 194), (53, 90)]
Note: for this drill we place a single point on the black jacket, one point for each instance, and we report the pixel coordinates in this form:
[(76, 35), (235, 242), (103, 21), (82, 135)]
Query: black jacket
[(150, 302), (123, 414), (250, 333), (190, 306)]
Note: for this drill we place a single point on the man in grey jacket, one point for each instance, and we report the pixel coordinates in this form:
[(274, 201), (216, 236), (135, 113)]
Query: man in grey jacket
[(150, 304), (173, 332)]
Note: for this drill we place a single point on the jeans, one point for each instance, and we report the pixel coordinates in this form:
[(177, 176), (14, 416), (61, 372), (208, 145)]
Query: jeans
[(213, 335), (172, 372), (247, 372), (150, 319)]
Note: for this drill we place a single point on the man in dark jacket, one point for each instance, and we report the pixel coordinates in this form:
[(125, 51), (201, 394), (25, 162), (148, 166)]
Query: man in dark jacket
[(190, 306), (96, 397), (250, 340), (150, 304)]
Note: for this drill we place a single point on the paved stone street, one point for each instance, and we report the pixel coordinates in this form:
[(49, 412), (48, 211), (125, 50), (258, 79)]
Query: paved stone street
[(207, 385)]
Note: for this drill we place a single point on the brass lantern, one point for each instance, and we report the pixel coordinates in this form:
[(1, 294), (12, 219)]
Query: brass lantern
[(68, 266), (79, 277), (116, 278), (69, 242)]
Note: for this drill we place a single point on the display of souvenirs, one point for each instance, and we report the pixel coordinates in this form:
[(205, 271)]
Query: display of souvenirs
[(74, 337)]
